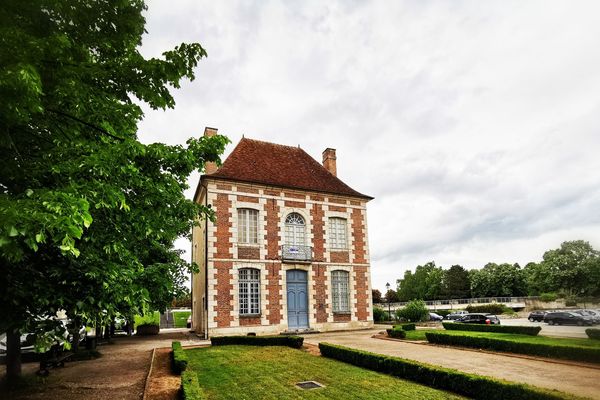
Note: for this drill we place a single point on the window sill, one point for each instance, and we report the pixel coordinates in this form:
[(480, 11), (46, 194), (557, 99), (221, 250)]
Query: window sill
[(249, 315), (342, 313), (257, 245)]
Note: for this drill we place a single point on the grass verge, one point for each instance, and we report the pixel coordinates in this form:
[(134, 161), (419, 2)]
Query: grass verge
[(235, 372)]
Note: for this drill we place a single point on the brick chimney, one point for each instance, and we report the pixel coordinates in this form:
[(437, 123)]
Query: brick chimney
[(329, 161), (210, 167)]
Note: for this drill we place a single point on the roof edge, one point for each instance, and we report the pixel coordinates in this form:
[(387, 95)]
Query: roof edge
[(359, 195)]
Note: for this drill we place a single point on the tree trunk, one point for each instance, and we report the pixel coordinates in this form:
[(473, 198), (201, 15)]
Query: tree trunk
[(13, 355), (75, 347), (107, 332)]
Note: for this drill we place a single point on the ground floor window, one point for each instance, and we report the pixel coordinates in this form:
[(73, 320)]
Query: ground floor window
[(340, 292), (249, 291)]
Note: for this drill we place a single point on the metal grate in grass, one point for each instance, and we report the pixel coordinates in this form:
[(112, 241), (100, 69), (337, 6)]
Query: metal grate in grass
[(309, 385)]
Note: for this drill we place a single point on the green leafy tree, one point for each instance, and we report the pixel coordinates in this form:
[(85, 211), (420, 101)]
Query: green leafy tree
[(425, 283), (391, 296), (456, 283), (574, 269), (89, 213), (376, 296), (414, 311), (498, 280)]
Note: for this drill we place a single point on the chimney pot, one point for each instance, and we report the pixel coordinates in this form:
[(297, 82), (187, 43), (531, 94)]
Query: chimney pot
[(210, 167), (329, 161)]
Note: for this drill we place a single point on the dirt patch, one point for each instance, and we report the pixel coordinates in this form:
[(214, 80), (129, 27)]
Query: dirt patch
[(163, 384), (311, 349)]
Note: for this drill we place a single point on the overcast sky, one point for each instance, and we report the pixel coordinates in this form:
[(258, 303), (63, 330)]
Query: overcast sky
[(475, 125)]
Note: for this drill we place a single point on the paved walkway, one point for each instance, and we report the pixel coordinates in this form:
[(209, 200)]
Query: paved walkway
[(579, 380)]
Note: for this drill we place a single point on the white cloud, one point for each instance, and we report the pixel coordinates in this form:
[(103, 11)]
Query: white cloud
[(476, 125)]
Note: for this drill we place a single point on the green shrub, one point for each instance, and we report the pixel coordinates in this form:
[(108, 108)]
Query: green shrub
[(487, 308), (444, 313), (520, 330), (406, 327), (190, 389), (152, 318), (593, 333), (396, 333), (290, 341), (548, 297), (378, 314), (576, 353), (470, 385), (414, 311), (179, 360), (147, 329)]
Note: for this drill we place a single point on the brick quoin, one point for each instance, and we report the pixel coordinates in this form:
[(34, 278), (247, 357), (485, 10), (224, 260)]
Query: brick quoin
[(318, 231), (274, 298), (223, 233), (359, 237), (272, 236), (224, 294), (320, 293), (362, 293)]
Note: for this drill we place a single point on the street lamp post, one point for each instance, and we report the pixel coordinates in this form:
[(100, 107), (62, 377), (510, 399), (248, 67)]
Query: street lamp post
[(387, 296)]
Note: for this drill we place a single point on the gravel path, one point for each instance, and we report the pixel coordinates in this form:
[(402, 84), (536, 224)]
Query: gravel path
[(580, 380)]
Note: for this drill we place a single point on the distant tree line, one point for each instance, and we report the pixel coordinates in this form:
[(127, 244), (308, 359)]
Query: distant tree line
[(571, 271)]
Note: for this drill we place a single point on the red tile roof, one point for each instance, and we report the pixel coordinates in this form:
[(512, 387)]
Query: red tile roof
[(255, 161)]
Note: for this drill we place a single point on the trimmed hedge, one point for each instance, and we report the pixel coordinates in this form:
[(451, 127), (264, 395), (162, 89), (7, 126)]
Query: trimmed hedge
[(396, 333), (470, 385), (179, 360), (487, 308), (147, 330), (593, 333), (576, 353), (406, 327), (520, 330), (290, 341), (190, 388)]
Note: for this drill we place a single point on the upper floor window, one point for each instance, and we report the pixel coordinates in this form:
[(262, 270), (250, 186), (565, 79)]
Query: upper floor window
[(338, 233), (295, 230), (247, 226), (249, 291), (340, 292)]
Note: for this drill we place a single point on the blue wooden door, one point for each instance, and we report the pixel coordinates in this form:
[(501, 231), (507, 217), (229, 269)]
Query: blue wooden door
[(297, 299)]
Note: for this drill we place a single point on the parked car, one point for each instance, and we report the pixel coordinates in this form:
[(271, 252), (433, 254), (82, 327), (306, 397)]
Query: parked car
[(536, 316), (478, 318), (456, 315), (595, 316), (567, 318), (435, 317)]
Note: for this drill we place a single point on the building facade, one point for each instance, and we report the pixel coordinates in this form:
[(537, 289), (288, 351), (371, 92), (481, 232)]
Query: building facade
[(288, 251)]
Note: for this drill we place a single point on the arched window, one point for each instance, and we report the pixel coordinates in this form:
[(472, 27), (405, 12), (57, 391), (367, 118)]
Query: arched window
[(247, 226), (337, 233), (340, 292), (249, 291), (295, 230)]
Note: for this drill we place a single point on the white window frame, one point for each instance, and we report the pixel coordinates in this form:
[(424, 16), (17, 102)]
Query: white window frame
[(295, 229), (338, 233), (340, 291), (247, 226), (249, 291)]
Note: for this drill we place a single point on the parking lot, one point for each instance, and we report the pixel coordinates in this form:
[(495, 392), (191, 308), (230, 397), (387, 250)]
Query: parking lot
[(573, 331)]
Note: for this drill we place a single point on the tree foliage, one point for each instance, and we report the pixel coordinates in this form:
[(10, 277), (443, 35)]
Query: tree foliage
[(376, 294), (456, 283), (425, 283), (89, 213)]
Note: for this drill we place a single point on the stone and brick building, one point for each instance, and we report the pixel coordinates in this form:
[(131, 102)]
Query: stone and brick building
[(289, 248)]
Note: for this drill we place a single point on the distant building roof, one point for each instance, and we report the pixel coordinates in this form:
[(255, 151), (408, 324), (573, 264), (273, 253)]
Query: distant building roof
[(255, 161)]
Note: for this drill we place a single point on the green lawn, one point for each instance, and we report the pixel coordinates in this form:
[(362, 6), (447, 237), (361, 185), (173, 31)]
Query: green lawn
[(248, 372), (419, 334), (181, 318)]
